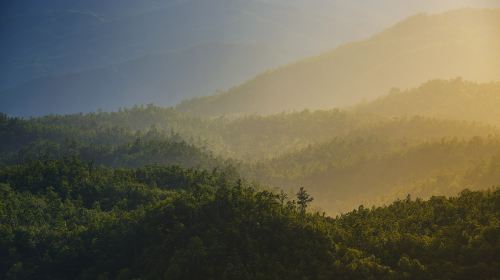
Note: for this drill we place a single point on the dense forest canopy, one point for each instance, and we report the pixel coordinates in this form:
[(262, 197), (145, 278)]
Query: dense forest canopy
[(371, 153), (315, 170), (457, 108), (70, 219), (151, 192)]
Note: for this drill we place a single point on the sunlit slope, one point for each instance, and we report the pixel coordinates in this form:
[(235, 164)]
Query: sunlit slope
[(372, 153), (252, 137), (346, 172), (436, 109), (454, 99), (461, 43)]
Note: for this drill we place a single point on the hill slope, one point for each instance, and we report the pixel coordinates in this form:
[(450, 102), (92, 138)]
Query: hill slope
[(453, 100), (164, 78), (69, 219), (348, 171), (45, 44), (372, 153), (457, 43), (24, 140)]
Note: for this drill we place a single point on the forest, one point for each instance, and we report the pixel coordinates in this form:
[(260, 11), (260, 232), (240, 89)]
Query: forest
[(336, 153), (71, 219), (250, 139), (153, 193)]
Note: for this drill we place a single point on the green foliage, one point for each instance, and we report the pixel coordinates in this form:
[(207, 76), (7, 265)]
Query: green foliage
[(54, 137), (303, 199), (344, 172), (454, 238), (336, 153), (150, 193), (68, 219)]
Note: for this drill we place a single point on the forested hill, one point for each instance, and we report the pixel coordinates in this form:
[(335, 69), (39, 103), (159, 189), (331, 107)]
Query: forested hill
[(379, 159), (248, 138), (154, 193), (432, 148), (373, 171), (68, 219), (97, 141), (444, 99), (457, 43), (436, 109)]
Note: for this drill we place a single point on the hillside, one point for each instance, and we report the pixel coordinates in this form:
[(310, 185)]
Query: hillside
[(124, 52), (441, 137), (25, 140), (247, 138), (163, 78), (69, 219), (460, 43), (326, 151), (378, 159), (374, 171), (452, 100)]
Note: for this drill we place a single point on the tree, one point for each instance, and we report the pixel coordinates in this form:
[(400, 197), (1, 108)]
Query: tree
[(303, 199)]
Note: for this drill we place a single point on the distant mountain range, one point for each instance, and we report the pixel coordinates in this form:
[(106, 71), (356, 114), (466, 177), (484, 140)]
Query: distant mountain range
[(149, 79), (72, 56), (461, 43)]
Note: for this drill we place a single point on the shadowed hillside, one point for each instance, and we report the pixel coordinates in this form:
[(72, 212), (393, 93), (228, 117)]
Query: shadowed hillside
[(68, 219)]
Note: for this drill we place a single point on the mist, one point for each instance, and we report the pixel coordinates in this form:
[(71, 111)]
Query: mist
[(250, 139), (94, 55)]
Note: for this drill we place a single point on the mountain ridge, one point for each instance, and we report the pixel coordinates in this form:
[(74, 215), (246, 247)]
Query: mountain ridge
[(388, 59)]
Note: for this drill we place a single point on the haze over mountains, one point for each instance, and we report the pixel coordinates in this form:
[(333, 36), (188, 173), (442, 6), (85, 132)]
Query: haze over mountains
[(460, 43), (452, 100), (379, 159), (91, 55), (447, 141)]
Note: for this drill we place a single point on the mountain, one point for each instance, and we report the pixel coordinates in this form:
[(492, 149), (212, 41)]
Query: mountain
[(81, 52), (24, 140), (425, 141), (154, 78), (247, 138), (434, 110), (375, 170), (442, 99), (460, 43)]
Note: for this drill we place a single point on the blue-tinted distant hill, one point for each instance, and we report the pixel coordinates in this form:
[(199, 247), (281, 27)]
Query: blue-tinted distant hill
[(155, 78)]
